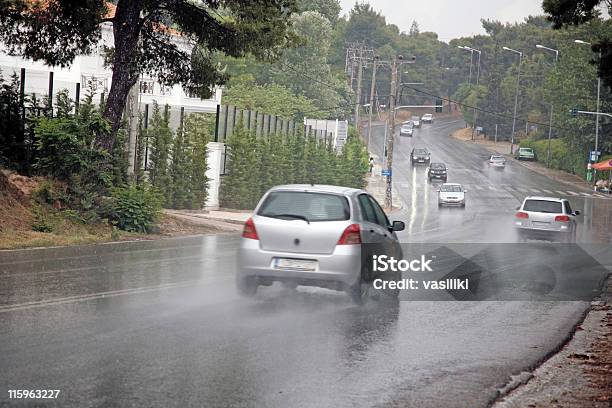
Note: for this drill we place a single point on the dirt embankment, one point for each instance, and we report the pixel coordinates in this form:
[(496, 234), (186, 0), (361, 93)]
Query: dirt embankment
[(24, 223), (14, 204)]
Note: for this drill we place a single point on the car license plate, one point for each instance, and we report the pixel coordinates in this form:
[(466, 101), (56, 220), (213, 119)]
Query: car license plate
[(295, 264), (421, 160)]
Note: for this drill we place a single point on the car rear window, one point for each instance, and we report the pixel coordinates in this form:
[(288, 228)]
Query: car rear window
[(299, 204), (542, 206), (526, 150), (420, 151), (451, 188), (438, 166)]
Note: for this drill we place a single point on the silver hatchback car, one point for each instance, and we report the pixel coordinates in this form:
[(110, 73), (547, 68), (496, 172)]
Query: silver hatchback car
[(546, 218), (313, 235)]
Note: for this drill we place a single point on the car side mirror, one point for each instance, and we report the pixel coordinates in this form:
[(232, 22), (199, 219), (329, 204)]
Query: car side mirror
[(438, 190), (576, 212), (465, 191), (398, 226)]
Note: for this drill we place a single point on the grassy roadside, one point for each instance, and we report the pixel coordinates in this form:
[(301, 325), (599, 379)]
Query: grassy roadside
[(74, 233)]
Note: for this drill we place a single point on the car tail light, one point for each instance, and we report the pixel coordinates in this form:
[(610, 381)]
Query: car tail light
[(521, 214), (562, 218), (249, 230), (350, 236)]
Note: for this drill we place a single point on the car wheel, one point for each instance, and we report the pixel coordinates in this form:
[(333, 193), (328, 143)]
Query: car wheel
[(462, 205), (439, 204), (247, 286)]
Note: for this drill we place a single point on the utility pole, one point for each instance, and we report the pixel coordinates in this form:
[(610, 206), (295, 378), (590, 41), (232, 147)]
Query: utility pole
[(372, 89), (391, 132), (358, 98)]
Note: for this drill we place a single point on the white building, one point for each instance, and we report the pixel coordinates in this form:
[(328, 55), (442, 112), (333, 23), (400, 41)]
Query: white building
[(86, 68)]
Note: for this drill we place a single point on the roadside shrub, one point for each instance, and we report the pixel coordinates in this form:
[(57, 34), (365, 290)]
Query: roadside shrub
[(40, 223), (135, 208)]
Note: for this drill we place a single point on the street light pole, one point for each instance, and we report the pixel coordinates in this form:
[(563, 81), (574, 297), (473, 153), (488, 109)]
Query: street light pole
[(549, 151), (518, 77), (463, 47), (598, 97)]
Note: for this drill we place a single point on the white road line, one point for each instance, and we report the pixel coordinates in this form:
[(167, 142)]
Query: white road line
[(522, 190), (492, 188), (535, 190), (560, 192), (586, 194), (98, 295), (572, 193), (600, 195), (547, 191)]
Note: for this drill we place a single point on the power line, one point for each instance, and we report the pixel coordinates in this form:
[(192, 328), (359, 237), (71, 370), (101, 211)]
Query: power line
[(499, 114)]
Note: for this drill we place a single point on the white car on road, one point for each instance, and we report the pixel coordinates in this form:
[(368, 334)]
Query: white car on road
[(313, 235), (427, 118), (546, 218), (497, 160), (451, 194)]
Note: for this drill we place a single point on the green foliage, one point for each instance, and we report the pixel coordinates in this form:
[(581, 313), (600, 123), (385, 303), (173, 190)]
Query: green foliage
[(273, 99), (256, 164), (135, 208), (160, 137), (188, 166), (40, 222), (13, 151)]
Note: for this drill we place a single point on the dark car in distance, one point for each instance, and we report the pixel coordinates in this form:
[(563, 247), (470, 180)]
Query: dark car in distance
[(437, 171), (420, 155)]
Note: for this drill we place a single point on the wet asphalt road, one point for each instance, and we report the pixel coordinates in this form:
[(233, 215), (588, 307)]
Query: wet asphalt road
[(158, 324)]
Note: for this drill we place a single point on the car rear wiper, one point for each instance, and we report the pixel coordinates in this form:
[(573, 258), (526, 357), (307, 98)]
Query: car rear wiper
[(295, 216)]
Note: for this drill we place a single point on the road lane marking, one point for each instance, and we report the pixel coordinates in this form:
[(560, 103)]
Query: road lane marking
[(572, 193), (586, 194), (547, 191), (97, 295), (535, 190), (493, 188), (560, 192)]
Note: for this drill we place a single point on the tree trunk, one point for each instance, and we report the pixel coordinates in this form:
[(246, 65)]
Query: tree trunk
[(126, 31)]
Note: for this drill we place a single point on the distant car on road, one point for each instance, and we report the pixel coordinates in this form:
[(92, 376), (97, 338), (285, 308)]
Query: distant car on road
[(451, 194), (416, 121), (437, 171), (420, 155), (406, 130), (497, 161), (427, 118), (312, 235), (525, 153), (546, 218)]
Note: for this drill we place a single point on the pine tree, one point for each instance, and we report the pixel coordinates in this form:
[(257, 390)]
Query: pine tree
[(197, 134), (160, 136)]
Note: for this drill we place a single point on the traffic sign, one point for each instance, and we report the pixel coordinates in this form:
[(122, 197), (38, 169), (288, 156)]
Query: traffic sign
[(594, 155), (386, 172)]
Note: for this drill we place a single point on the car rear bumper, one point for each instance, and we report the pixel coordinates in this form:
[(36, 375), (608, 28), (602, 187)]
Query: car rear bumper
[(438, 176), (338, 270), (544, 234), (451, 202), (422, 161)]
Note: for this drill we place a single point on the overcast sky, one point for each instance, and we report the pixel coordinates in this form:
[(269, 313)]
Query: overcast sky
[(450, 18)]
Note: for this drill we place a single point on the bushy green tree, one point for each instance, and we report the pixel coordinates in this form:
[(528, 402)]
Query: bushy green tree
[(160, 138), (242, 167), (12, 144)]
